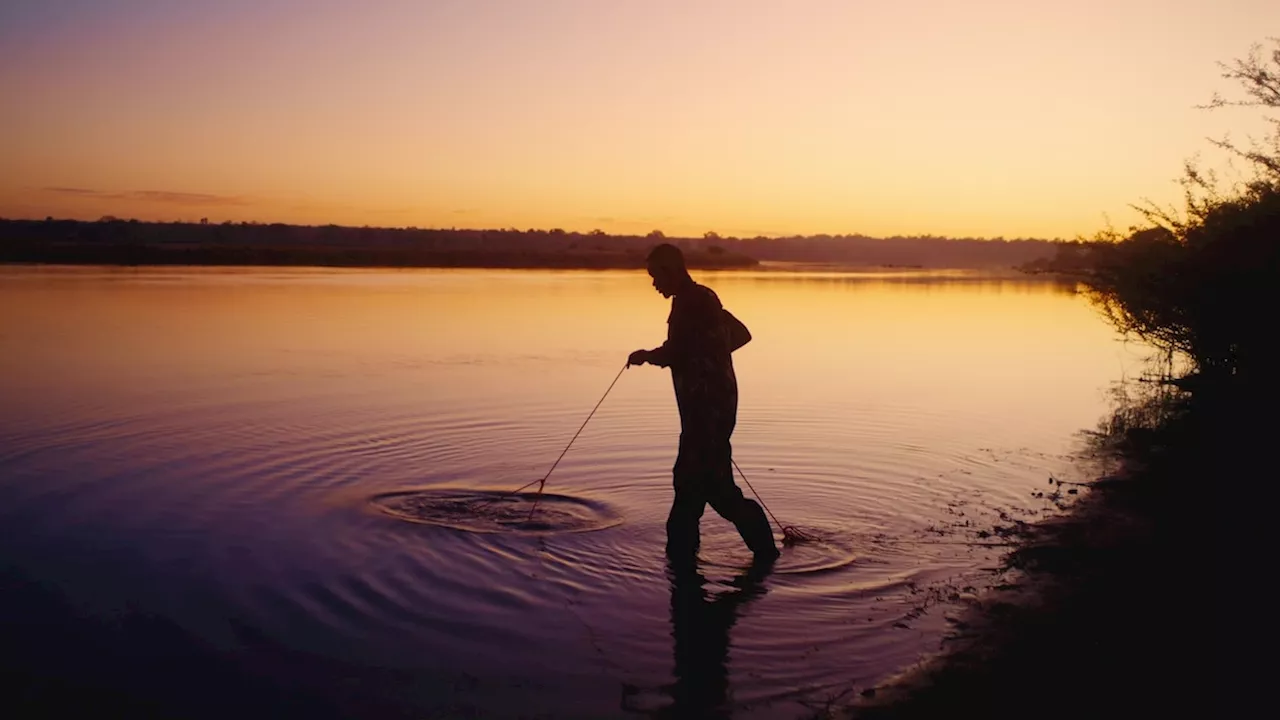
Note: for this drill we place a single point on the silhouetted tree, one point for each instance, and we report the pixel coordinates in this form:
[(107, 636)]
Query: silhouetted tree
[(1200, 281), (1259, 75)]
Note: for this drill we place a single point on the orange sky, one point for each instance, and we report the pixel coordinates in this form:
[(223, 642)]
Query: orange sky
[(989, 117)]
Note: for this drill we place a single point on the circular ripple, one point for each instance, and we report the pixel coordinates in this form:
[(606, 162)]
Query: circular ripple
[(492, 511), (824, 553)]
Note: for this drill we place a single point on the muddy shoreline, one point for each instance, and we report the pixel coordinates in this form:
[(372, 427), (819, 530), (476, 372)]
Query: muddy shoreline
[(1106, 610)]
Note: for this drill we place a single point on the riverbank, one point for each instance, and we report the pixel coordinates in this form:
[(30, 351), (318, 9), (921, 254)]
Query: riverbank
[(1110, 610)]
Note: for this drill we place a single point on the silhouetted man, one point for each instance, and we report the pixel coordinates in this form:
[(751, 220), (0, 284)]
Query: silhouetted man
[(701, 339)]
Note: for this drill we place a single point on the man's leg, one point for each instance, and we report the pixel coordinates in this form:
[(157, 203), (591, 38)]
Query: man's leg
[(682, 525), (687, 506), (726, 498)]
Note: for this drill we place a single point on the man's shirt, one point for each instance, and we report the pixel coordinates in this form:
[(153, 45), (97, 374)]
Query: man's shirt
[(699, 351)]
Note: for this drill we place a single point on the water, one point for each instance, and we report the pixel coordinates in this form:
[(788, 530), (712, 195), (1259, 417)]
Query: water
[(196, 466)]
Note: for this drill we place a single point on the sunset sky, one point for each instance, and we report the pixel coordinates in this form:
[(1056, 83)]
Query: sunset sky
[(744, 117)]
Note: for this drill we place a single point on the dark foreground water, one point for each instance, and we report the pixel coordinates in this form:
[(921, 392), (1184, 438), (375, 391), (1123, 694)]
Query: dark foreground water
[(210, 486)]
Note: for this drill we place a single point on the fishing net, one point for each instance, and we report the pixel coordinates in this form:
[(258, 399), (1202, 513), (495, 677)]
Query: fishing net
[(484, 511)]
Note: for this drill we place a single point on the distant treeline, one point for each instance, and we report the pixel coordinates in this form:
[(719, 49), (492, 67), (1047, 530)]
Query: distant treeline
[(119, 242), (916, 251), (129, 242)]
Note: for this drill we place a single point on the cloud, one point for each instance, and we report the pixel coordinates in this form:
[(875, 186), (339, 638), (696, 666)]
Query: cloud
[(184, 198), (658, 222), (332, 208), (166, 197), (72, 191)]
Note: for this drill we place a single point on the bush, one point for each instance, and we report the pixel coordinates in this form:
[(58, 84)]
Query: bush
[(1205, 283)]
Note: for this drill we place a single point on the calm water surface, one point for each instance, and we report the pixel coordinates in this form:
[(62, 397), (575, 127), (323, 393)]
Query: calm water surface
[(188, 459)]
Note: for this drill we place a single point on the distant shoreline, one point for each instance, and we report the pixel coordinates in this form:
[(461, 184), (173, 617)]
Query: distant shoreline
[(813, 272), (112, 241), (151, 256)]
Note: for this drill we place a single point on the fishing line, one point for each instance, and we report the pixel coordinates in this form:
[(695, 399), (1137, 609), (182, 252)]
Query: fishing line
[(542, 482), (790, 533)]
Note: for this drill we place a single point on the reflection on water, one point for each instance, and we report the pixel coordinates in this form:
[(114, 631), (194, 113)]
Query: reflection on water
[(700, 625), (188, 460)]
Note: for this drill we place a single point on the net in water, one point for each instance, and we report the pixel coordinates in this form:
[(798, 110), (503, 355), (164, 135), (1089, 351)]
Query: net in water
[(492, 511)]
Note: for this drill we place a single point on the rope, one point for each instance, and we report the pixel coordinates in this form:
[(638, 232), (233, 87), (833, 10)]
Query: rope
[(542, 482), (789, 532), (583, 426)]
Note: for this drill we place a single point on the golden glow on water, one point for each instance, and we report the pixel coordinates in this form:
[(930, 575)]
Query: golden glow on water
[(951, 344)]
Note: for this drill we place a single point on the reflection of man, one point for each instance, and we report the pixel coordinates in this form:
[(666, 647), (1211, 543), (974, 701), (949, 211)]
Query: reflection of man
[(701, 339), (700, 627)]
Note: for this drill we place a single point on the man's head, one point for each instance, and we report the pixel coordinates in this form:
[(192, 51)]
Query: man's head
[(666, 267)]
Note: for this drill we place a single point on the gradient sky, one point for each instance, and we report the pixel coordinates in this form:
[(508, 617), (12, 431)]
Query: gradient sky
[(988, 117)]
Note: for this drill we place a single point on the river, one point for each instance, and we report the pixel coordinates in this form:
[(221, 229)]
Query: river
[(199, 471)]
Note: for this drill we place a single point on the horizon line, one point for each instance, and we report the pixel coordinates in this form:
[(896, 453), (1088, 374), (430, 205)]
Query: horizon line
[(511, 229)]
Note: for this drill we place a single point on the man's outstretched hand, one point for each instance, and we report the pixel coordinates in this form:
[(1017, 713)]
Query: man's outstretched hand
[(638, 357)]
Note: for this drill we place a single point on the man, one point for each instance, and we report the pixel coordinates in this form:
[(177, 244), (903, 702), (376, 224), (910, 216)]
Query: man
[(701, 338)]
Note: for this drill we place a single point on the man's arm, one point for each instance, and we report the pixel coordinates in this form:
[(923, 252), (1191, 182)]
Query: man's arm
[(738, 333)]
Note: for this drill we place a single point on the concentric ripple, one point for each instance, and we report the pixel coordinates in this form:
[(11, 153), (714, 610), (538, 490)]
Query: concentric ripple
[(492, 511)]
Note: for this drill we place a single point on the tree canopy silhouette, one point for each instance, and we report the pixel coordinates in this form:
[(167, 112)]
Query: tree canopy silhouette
[(1201, 281)]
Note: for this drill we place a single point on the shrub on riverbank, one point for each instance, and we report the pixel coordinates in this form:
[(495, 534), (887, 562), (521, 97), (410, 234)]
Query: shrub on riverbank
[(1202, 283)]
